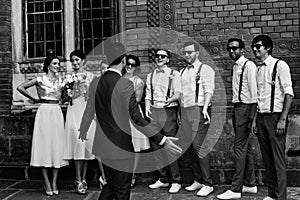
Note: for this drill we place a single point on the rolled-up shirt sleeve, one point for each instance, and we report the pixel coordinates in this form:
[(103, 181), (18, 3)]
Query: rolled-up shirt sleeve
[(285, 78), (148, 88), (251, 72), (208, 79), (177, 83)]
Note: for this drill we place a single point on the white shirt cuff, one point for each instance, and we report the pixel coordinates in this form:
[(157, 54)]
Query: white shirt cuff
[(163, 140)]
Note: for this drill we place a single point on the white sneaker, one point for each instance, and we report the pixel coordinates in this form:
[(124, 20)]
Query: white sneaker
[(194, 186), (249, 189), (229, 195), (268, 198), (175, 187), (158, 184), (205, 191)]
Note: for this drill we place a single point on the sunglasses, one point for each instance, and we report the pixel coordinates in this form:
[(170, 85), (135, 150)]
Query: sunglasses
[(233, 48), (257, 46), (130, 64), (187, 52), (160, 55)]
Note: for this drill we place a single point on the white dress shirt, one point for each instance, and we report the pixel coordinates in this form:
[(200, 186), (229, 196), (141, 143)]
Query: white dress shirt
[(249, 85), (188, 84), (283, 85), (160, 83)]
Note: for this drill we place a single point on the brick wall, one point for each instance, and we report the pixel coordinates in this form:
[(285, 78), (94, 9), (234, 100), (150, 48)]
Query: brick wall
[(5, 57)]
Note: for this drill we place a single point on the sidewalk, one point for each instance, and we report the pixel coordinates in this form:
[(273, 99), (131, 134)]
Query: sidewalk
[(32, 190)]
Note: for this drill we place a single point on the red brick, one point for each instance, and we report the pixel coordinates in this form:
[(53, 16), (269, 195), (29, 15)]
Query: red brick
[(229, 19), (286, 22), (210, 3), (280, 29), (292, 16), (238, 2), (254, 18), (211, 14), (223, 14), (142, 25), (278, 17), (273, 23), (286, 35), (286, 10), (260, 12), (236, 25), (255, 30), (199, 27), (141, 2), (187, 4), (229, 7), (292, 4), (187, 16), (141, 7), (247, 1), (247, 12), (206, 21), (266, 5), (292, 28), (193, 10), (253, 6), (260, 24), (217, 8), (182, 22), (274, 35), (130, 3), (187, 27), (130, 25), (198, 3), (279, 5), (266, 17), (218, 20), (273, 11), (181, 10), (241, 7), (199, 15), (142, 13), (248, 24), (205, 9), (130, 14), (295, 22), (235, 13), (222, 2), (268, 29), (193, 21), (242, 19)]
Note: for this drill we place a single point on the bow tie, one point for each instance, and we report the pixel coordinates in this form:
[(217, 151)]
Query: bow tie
[(160, 71), (260, 64), (190, 66)]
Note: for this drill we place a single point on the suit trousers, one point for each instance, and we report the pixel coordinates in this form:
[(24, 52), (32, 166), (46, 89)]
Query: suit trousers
[(243, 144), (273, 153), (165, 119), (118, 181), (194, 130)]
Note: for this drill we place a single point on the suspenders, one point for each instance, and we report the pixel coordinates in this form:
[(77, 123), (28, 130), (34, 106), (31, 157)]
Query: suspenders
[(197, 84), (273, 86), (169, 86), (197, 79), (241, 81)]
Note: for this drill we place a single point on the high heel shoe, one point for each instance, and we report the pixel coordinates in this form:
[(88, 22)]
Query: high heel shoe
[(102, 182), (55, 190), (133, 180), (49, 193), (79, 187)]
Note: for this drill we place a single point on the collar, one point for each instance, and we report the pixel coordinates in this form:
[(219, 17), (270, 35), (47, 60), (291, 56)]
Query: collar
[(268, 61), (241, 61), (114, 70)]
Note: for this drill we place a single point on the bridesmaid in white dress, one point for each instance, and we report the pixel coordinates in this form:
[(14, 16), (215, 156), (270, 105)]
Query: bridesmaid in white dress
[(140, 141), (79, 151), (48, 135)]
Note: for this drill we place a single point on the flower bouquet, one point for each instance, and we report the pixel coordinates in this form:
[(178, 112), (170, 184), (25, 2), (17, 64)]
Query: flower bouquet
[(68, 86)]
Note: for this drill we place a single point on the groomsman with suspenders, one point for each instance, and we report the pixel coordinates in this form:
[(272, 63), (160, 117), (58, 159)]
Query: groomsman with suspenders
[(198, 83), (244, 99), (275, 94), (162, 92)]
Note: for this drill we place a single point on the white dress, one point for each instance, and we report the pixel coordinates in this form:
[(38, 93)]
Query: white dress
[(140, 141), (48, 134), (75, 148)]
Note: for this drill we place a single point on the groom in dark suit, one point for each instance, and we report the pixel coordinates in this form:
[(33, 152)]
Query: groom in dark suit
[(115, 105)]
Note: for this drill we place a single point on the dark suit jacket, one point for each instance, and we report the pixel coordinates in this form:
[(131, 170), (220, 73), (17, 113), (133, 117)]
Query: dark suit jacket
[(115, 104)]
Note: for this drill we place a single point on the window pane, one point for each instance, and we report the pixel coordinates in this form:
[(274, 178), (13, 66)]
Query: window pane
[(97, 20), (44, 27)]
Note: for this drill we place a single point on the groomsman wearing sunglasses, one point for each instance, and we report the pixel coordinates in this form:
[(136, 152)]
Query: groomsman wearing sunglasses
[(162, 92), (198, 83), (244, 99), (275, 95)]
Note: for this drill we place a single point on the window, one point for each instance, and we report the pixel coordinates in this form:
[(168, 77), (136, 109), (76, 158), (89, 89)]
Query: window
[(44, 27), (97, 20), (57, 25)]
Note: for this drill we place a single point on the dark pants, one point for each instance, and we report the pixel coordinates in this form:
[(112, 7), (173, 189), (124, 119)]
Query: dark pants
[(243, 143), (194, 131), (118, 181), (273, 153), (165, 119)]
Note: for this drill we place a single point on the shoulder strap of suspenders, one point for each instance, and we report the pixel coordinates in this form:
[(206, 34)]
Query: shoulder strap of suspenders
[(197, 84), (170, 84), (273, 86), (151, 87), (241, 81)]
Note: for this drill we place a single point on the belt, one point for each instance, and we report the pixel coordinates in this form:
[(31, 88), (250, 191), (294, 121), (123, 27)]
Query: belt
[(48, 101)]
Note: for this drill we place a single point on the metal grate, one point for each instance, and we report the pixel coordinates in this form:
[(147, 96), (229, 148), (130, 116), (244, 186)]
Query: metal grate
[(97, 20), (44, 25)]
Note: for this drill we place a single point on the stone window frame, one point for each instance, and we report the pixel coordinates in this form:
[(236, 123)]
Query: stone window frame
[(25, 68)]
